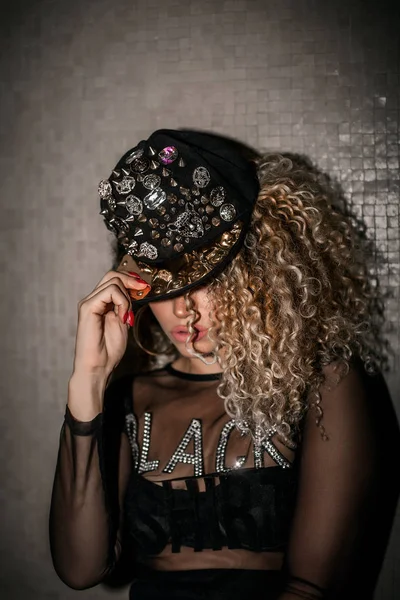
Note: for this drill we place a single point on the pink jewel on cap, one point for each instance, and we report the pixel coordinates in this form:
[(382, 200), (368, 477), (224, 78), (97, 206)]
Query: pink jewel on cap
[(168, 155)]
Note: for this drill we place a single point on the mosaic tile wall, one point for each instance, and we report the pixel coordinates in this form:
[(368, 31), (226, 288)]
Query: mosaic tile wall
[(81, 82)]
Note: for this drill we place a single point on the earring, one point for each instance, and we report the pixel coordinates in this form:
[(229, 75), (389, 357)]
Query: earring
[(135, 331)]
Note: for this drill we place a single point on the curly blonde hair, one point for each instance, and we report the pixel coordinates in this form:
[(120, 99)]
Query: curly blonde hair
[(300, 295)]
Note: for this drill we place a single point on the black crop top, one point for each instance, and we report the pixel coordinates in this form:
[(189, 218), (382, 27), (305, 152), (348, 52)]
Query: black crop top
[(163, 467)]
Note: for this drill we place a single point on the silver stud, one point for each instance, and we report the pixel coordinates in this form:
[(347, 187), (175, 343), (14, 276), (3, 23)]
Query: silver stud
[(137, 153)]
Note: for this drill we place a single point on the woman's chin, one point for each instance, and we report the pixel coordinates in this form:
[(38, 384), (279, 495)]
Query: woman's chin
[(202, 347)]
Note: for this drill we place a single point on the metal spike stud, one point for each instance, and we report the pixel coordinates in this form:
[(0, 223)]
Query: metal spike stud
[(152, 152), (154, 164), (181, 163), (173, 182), (125, 172)]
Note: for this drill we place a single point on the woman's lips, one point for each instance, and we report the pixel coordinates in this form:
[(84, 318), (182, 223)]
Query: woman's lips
[(181, 333)]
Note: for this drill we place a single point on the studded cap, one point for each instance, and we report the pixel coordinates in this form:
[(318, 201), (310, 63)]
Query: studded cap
[(179, 204)]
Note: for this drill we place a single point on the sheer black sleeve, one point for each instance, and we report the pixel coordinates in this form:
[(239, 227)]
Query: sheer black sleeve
[(337, 490), (93, 467)]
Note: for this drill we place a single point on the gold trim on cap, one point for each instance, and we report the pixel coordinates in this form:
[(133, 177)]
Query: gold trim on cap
[(186, 269)]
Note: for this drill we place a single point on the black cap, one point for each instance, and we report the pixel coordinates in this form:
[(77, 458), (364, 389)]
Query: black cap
[(180, 204)]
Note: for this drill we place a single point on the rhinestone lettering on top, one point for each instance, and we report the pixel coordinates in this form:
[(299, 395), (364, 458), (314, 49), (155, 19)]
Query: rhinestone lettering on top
[(188, 224), (145, 466), (151, 182), (131, 431), (148, 250), (266, 445), (168, 155), (220, 466), (227, 212), (217, 196), (154, 199), (126, 185), (138, 153), (201, 177), (134, 205), (104, 189), (194, 431)]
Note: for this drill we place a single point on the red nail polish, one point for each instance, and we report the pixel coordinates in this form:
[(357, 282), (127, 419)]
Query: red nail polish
[(131, 318), (124, 318), (137, 277)]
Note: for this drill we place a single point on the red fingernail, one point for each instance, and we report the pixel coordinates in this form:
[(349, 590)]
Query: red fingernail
[(124, 318), (137, 277), (131, 318)]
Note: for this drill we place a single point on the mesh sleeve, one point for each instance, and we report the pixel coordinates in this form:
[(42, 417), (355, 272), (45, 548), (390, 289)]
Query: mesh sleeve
[(337, 490), (93, 466)]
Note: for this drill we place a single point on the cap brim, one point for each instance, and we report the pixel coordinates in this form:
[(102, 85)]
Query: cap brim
[(190, 270)]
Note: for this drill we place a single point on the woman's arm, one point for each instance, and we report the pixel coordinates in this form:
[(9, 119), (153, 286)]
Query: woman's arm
[(93, 467), (336, 491)]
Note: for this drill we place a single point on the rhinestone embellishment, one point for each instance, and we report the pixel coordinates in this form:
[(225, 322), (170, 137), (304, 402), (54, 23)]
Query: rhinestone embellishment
[(267, 446), (151, 182), (168, 155), (126, 185), (140, 165), (135, 154), (201, 177), (104, 188), (131, 431), (134, 205), (148, 250), (227, 212), (194, 431), (154, 199), (188, 224), (221, 450), (145, 465), (217, 196)]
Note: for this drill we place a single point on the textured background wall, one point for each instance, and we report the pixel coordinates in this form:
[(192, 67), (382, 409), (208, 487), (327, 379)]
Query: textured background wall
[(83, 81)]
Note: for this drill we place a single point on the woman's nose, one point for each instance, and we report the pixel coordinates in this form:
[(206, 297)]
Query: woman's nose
[(180, 309)]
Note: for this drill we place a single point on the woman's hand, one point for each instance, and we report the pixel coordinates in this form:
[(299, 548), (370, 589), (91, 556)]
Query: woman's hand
[(104, 317)]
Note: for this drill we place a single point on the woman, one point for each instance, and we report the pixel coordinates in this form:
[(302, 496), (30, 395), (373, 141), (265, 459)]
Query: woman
[(247, 463)]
